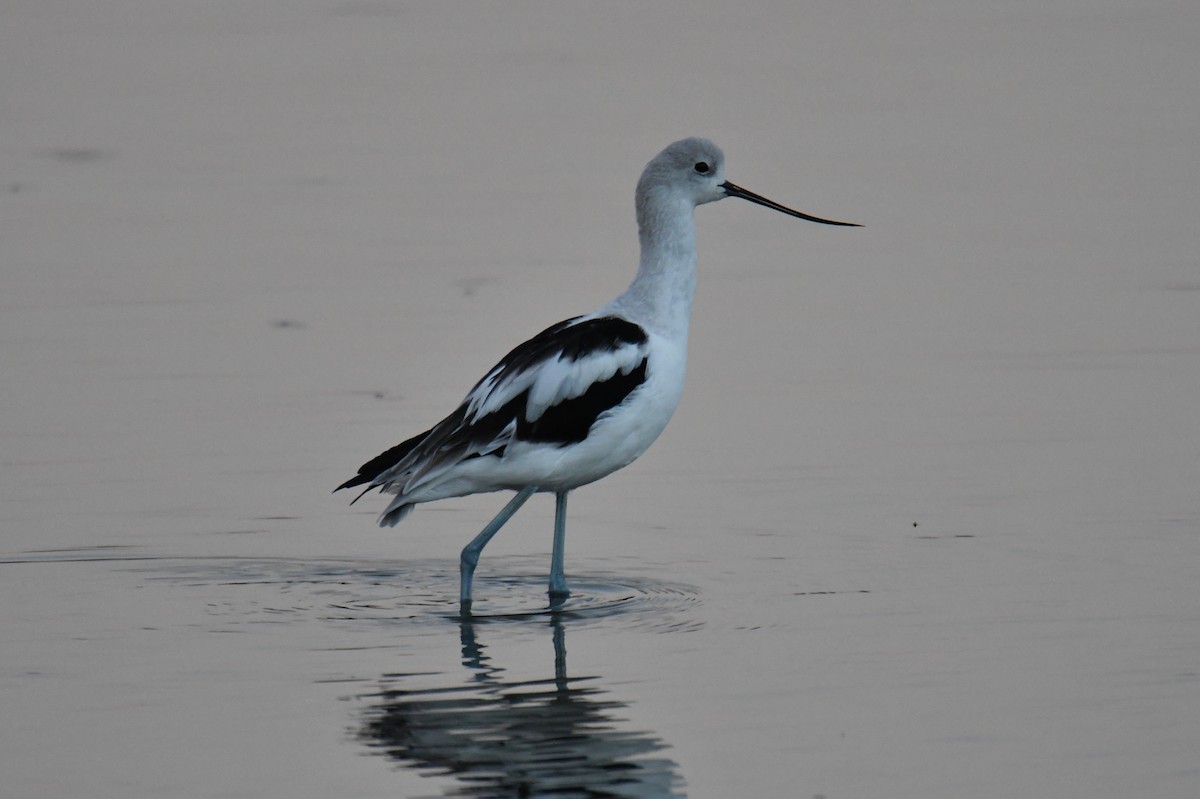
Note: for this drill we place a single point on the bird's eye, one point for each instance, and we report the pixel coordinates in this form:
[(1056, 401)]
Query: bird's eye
[(702, 168)]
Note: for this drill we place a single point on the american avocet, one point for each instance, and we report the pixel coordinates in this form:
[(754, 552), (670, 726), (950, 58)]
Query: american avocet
[(584, 397)]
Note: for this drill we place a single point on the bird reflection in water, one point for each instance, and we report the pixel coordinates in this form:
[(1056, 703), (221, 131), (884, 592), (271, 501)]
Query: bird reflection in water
[(559, 736)]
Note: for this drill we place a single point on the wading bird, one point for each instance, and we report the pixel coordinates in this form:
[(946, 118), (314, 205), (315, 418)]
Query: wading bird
[(584, 397)]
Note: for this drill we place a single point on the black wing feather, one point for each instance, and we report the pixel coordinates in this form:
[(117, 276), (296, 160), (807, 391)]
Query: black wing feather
[(382, 462)]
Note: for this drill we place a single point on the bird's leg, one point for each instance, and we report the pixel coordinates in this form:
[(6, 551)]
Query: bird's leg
[(470, 554), (558, 580)]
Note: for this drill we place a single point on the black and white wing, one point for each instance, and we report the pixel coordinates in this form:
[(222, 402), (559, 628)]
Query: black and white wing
[(550, 389)]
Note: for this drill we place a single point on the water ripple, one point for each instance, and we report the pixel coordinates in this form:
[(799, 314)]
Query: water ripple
[(426, 591)]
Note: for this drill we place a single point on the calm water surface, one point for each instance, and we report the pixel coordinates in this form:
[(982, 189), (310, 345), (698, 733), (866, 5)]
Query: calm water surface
[(925, 524)]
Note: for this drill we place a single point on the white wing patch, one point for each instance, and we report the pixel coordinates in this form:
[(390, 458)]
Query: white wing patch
[(492, 393), (558, 379)]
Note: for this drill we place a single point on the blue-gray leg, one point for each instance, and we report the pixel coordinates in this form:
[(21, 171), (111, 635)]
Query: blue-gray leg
[(470, 554), (558, 580)]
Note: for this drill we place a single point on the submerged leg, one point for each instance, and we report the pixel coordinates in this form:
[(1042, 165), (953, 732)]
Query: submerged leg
[(470, 554), (558, 580)]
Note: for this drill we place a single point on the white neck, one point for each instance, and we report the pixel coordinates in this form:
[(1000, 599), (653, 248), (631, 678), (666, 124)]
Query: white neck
[(660, 296)]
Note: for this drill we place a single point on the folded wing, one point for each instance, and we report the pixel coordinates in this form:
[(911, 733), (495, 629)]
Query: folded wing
[(550, 389)]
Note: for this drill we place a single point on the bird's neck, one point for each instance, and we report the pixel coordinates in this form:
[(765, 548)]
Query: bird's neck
[(660, 296)]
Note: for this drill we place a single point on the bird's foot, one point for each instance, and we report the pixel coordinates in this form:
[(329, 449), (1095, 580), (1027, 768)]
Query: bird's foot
[(558, 596)]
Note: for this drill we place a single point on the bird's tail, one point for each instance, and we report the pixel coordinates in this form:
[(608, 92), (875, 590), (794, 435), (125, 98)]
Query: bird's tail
[(395, 512), (372, 470), (373, 474)]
